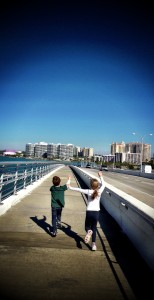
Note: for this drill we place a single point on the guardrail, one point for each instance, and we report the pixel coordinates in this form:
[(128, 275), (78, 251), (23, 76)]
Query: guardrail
[(14, 178), (134, 173), (135, 218)]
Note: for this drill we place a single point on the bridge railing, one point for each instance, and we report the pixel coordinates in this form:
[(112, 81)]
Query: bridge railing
[(15, 178)]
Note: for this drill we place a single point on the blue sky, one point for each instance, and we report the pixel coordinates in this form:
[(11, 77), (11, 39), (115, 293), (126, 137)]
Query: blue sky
[(76, 72)]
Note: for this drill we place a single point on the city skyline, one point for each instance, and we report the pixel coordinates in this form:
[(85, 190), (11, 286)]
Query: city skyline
[(116, 146), (76, 73)]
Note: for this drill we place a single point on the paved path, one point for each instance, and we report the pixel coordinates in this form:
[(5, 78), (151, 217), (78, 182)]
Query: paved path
[(34, 265)]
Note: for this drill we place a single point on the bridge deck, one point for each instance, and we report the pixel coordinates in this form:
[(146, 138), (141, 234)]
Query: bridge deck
[(35, 265)]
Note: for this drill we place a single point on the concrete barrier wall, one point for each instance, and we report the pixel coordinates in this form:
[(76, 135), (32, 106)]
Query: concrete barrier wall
[(135, 218), (134, 173)]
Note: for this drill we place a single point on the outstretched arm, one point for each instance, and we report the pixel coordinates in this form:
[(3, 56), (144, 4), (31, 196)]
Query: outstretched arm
[(84, 191), (100, 174), (68, 181), (101, 180)]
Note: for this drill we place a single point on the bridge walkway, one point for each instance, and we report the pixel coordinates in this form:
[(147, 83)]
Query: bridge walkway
[(35, 265)]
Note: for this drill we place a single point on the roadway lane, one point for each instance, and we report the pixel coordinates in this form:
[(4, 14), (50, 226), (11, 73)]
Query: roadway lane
[(138, 187)]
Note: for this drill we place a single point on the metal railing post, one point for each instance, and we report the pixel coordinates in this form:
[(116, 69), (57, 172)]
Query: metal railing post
[(25, 176), (31, 177), (40, 172), (15, 182), (36, 172), (43, 170), (1, 184)]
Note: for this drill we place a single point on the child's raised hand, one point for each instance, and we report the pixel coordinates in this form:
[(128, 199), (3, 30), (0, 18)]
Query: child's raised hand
[(100, 173)]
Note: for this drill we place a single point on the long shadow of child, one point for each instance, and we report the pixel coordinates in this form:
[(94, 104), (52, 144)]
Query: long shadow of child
[(67, 230), (43, 224)]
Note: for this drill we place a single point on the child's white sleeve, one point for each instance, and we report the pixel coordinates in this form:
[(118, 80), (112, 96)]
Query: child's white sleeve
[(83, 191), (102, 187), (68, 181)]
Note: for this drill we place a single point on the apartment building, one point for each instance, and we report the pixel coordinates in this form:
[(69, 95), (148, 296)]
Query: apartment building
[(76, 151), (40, 149), (133, 158), (52, 151), (61, 151), (117, 148), (36, 150), (65, 151), (69, 149), (30, 150), (131, 152), (87, 152)]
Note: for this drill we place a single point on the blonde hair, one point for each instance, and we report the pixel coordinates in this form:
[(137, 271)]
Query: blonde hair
[(94, 185)]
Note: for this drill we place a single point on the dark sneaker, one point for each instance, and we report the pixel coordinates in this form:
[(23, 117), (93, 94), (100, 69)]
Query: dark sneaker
[(54, 234), (59, 225)]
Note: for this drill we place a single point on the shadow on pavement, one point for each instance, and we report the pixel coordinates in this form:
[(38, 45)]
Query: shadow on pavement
[(67, 230), (43, 224), (79, 240)]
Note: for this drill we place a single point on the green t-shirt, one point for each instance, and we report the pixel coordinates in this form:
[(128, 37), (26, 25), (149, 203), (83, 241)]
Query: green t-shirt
[(57, 196)]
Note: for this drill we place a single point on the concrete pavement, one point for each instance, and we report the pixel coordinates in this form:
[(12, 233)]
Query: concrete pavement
[(35, 265)]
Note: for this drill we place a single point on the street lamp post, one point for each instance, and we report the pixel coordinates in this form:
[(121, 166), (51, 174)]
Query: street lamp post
[(113, 166), (141, 158), (114, 161), (141, 153)]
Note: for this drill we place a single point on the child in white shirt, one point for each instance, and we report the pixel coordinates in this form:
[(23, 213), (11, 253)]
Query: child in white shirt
[(93, 207)]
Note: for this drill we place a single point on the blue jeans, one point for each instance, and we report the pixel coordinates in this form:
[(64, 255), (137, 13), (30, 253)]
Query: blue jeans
[(56, 217), (91, 222)]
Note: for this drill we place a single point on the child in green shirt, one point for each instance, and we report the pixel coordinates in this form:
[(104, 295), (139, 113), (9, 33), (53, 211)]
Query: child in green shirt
[(57, 202)]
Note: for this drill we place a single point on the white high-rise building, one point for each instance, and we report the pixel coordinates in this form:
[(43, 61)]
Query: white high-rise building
[(52, 151), (29, 151), (76, 151), (70, 150), (40, 149), (62, 151)]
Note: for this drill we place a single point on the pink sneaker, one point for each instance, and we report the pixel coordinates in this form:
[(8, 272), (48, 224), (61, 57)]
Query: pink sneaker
[(94, 248), (88, 236)]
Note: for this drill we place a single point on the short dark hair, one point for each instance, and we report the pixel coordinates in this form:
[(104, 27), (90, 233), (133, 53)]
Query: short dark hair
[(56, 180)]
